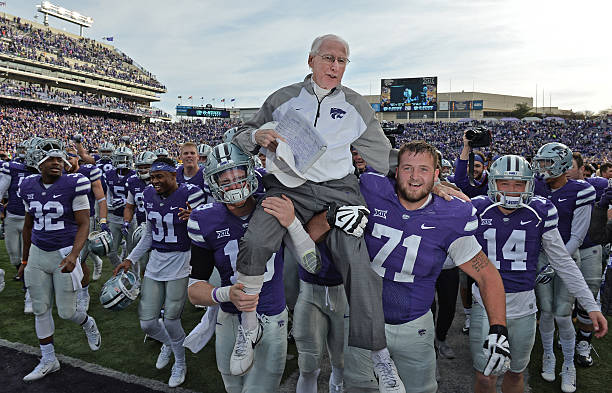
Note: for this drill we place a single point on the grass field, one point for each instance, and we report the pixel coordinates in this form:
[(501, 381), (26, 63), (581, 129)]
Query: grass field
[(122, 339)]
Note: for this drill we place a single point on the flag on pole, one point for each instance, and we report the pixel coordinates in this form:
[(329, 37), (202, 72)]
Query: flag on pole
[(190, 98), (232, 100), (179, 97), (108, 38), (222, 99)]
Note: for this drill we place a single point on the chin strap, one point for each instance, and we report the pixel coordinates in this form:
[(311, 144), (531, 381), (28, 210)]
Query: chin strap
[(521, 204)]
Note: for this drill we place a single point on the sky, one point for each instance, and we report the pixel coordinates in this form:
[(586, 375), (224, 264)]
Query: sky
[(247, 49)]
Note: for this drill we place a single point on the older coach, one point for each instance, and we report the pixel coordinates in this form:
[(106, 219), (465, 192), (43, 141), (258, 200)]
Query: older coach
[(343, 118)]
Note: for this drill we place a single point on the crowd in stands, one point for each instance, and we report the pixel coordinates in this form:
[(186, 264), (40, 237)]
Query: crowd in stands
[(12, 88), (18, 124), (591, 138), (83, 54)]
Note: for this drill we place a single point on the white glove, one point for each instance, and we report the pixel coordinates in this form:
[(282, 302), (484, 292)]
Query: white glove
[(497, 351), (351, 219), (545, 275)]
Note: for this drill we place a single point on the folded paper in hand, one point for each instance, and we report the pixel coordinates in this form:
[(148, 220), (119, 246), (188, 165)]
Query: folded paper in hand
[(303, 147)]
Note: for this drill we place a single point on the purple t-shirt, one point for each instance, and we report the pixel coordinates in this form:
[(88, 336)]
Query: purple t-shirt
[(513, 242), (169, 231), (214, 227), (51, 208), (409, 247)]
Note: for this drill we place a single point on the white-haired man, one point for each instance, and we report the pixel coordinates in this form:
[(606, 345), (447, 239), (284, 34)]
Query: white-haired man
[(343, 118)]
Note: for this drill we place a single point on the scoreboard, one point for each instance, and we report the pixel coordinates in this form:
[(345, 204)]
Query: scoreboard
[(409, 94), (198, 111)]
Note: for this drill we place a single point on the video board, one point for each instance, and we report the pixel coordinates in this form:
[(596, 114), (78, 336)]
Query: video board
[(197, 111), (409, 94)]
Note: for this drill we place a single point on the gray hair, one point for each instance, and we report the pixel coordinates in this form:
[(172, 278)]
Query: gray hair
[(316, 44)]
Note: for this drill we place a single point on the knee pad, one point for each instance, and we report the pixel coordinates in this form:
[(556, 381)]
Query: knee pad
[(547, 322), (176, 295), (308, 362), (566, 327), (152, 327), (44, 325), (175, 329)]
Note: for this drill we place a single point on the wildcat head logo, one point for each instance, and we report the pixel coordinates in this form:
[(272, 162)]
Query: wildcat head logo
[(337, 113)]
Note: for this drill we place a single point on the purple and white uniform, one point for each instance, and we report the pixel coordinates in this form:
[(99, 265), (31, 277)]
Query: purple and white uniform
[(12, 174), (135, 188), (214, 227), (52, 209), (197, 179), (92, 173), (117, 191), (409, 247)]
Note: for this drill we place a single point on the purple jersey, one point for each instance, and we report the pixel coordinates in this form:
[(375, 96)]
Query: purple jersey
[(169, 231), (214, 227), (92, 173), (574, 194), (117, 190), (136, 186), (513, 242), (329, 276), (17, 172), (409, 247), (104, 164), (51, 209)]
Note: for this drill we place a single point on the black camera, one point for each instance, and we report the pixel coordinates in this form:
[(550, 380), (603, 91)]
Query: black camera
[(478, 137)]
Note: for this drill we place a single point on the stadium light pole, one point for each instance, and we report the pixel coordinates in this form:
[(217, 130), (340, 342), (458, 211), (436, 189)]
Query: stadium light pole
[(47, 8)]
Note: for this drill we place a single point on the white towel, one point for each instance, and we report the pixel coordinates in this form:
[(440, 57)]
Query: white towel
[(77, 273), (202, 333)]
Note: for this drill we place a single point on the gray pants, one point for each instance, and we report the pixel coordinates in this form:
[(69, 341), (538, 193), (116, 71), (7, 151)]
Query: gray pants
[(363, 287), (13, 229), (115, 228)]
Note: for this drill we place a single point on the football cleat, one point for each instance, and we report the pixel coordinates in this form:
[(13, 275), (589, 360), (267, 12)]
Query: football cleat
[(164, 357), (583, 353), (178, 374), (2, 283), (388, 379), (444, 350), (568, 378), (243, 354), (548, 367), (93, 335), (27, 304), (97, 273), (42, 369)]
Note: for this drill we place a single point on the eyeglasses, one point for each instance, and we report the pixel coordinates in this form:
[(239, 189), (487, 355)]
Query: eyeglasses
[(342, 61)]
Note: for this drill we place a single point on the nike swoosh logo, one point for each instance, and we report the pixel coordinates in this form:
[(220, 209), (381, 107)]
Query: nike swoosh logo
[(297, 109), (525, 222), (561, 200), (426, 227), (174, 208), (57, 196)]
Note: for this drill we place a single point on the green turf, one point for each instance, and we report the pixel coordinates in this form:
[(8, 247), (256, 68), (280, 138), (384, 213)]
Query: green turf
[(592, 379), (122, 339)]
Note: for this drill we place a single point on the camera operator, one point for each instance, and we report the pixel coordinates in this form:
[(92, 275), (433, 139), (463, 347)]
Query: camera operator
[(479, 186)]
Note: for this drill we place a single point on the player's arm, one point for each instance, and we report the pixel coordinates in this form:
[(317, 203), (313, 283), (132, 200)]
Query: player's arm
[(579, 229), (26, 235), (141, 248), (490, 285), (82, 152), (81, 217), (98, 191), (567, 269), (201, 292)]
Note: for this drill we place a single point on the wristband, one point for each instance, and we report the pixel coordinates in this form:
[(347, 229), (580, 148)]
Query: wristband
[(220, 294), (24, 262), (101, 200)]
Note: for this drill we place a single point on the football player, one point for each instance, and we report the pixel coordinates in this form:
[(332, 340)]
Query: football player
[(96, 195), (215, 230), (167, 206), (161, 153), (514, 226), (105, 161), (116, 198), (409, 234), (573, 200), (319, 313), (203, 153), (190, 171), (55, 230), (12, 174), (135, 203), (590, 262)]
